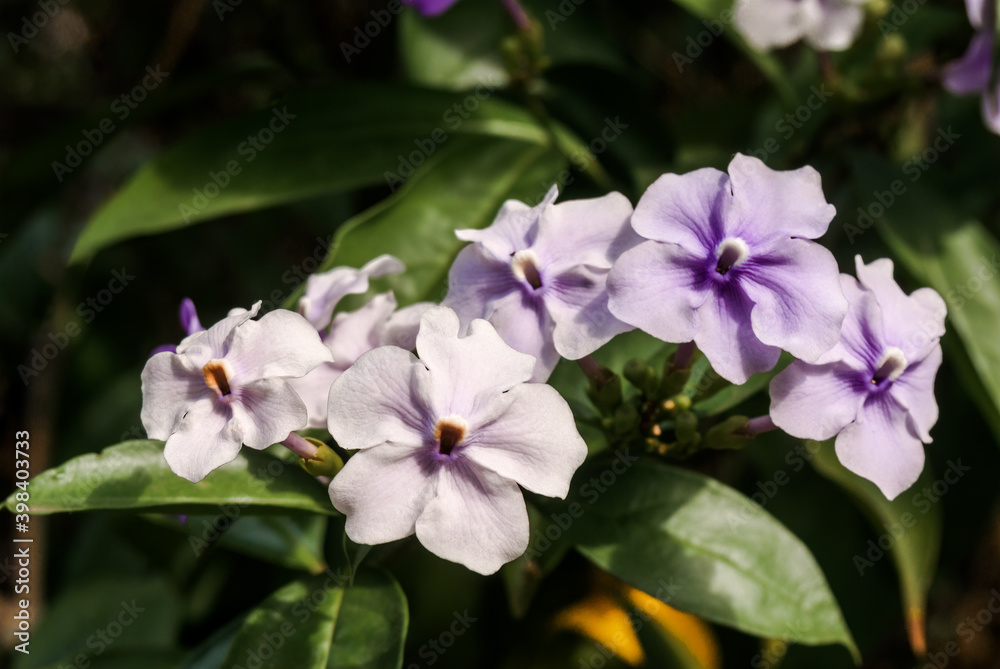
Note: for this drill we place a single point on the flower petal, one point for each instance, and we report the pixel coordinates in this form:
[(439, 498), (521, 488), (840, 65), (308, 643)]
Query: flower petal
[(476, 282), (971, 72), (585, 232), (378, 400), (514, 228), (402, 327), (281, 344), (325, 290), (798, 302), (533, 442), (215, 342), (658, 288), (204, 440), (170, 384), (430, 7), (314, 390), (815, 401), (914, 390), (266, 410), (772, 205), (383, 491), (767, 24), (881, 447), (463, 368), (835, 25), (356, 332), (684, 209), (477, 518), (727, 339), (577, 301), (527, 327)]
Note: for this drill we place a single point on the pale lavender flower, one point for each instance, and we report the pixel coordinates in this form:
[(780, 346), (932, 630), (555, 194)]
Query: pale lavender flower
[(188, 316), (875, 389), (326, 289), (226, 386), (430, 7), (445, 440), (538, 275), (378, 323), (827, 25), (972, 73), (730, 266)]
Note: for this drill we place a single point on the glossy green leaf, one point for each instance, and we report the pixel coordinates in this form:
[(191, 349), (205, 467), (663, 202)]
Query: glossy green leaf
[(133, 475), (324, 623), (462, 187), (703, 548), (914, 525), (362, 131)]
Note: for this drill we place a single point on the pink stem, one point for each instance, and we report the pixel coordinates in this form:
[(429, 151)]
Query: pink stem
[(759, 425), (591, 368), (682, 357), (300, 446)]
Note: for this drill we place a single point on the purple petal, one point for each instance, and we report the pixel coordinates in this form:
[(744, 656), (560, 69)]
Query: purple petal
[(773, 205), (202, 442), (658, 288), (798, 303), (815, 401), (189, 317), (727, 339), (430, 7), (358, 332), (971, 72), (215, 342), (578, 304), (590, 232), (378, 400), (461, 369), (914, 323), (914, 390), (265, 411), (402, 327), (861, 339), (170, 384), (533, 442), (281, 344), (383, 491), (314, 390), (477, 518), (684, 209), (325, 290), (514, 228), (165, 348), (476, 282), (881, 447), (527, 327)]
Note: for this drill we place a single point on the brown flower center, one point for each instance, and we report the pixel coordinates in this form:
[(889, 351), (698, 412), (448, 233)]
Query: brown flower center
[(216, 377), (449, 433)]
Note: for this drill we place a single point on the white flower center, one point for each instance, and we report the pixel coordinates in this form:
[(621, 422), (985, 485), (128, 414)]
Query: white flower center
[(730, 252), (217, 374), (891, 365), (524, 265), (449, 433)]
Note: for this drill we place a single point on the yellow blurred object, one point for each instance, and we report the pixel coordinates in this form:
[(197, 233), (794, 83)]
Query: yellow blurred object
[(603, 619), (689, 630)]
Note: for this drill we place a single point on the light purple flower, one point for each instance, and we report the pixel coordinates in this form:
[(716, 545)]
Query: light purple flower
[(226, 386), (188, 316), (730, 266), (972, 73), (538, 275), (445, 440), (827, 25), (378, 323), (875, 389), (326, 289), (430, 7)]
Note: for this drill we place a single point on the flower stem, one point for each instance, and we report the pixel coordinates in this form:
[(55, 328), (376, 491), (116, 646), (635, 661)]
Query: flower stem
[(683, 355), (300, 446), (591, 368), (759, 425)]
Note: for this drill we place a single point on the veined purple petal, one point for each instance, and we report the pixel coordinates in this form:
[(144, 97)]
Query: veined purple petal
[(526, 326), (578, 304), (881, 446), (914, 390), (685, 209), (203, 440), (430, 7), (477, 282), (265, 411), (861, 338), (726, 337), (591, 232), (383, 491), (477, 519), (971, 72), (799, 390), (514, 228)]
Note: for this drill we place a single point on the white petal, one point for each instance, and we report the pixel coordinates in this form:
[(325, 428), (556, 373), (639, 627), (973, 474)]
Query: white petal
[(815, 401), (266, 410), (171, 383), (216, 340), (325, 290), (314, 389), (590, 232), (767, 24), (204, 440), (281, 344)]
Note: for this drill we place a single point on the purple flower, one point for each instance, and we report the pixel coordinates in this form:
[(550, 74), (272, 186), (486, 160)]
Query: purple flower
[(352, 334), (188, 316), (538, 275), (972, 72), (445, 440), (875, 389), (828, 25), (226, 386), (430, 7), (325, 290), (730, 266)]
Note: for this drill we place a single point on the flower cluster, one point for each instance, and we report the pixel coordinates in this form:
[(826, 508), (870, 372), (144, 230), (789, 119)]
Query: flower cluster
[(444, 442)]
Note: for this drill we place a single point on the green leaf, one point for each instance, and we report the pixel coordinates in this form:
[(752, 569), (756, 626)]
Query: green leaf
[(133, 475), (463, 186), (915, 550), (339, 139), (703, 548), (732, 396), (322, 623)]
